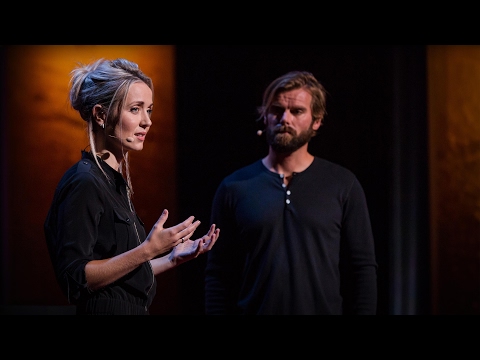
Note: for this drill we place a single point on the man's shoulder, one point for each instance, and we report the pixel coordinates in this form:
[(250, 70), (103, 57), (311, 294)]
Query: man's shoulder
[(251, 168), (244, 173), (335, 169)]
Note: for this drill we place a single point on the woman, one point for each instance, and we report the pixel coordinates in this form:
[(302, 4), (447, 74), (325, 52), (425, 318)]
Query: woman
[(102, 257)]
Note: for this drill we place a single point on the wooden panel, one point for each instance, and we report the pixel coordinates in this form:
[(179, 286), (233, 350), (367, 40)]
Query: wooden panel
[(454, 136), (45, 137)]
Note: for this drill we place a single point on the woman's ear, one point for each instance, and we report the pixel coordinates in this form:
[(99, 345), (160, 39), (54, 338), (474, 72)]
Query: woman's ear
[(99, 115)]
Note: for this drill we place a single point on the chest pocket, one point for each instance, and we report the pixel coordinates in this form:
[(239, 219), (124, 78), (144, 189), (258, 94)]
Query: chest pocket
[(125, 234)]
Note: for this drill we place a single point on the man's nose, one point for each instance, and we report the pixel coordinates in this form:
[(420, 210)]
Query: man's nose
[(285, 118)]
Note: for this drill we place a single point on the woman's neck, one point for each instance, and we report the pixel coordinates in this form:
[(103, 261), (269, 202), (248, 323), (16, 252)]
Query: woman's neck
[(109, 158)]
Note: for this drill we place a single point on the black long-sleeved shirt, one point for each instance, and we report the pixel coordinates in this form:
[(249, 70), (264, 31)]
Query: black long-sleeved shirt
[(305, 248), (90, 219)]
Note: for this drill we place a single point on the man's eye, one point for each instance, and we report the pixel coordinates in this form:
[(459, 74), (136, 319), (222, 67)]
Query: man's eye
[(276, 111)]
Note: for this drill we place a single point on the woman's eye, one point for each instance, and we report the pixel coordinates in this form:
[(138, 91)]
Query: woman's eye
[(134, 109)]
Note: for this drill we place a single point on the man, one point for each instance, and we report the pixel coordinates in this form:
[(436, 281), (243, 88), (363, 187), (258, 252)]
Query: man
[(297, 237)]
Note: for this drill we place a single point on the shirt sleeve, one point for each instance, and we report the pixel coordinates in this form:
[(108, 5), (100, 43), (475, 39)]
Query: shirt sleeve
[(360, 252), (221, 277), (71, 230)]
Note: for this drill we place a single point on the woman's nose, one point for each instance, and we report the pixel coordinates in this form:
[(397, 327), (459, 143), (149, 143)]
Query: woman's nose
[(146, 121)]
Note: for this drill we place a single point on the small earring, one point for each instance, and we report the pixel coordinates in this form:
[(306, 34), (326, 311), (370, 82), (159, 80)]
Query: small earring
[(103, 126)]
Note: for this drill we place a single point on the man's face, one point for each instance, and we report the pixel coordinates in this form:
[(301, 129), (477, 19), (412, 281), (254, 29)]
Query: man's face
[(289, 121)]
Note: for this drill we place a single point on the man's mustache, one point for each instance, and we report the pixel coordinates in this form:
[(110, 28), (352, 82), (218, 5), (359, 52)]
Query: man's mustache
[(283, 129)]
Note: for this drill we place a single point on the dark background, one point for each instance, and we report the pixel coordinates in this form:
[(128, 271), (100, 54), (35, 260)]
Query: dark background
[(376, 126)]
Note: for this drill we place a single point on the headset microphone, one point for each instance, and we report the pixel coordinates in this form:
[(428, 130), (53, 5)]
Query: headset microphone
[(129, 139), (260, 132)]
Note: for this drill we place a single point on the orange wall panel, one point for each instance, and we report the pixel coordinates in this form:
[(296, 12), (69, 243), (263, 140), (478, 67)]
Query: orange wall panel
[(454, 159)]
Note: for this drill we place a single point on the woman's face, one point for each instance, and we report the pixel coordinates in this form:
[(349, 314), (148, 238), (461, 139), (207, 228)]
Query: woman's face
[(134, 122)]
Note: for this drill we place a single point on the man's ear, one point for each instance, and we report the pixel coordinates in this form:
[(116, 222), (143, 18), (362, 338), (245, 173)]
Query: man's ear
[(99, 115), (317, 123)]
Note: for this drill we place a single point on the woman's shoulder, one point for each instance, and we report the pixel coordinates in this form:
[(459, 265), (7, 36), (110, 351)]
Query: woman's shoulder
[(83, 174)]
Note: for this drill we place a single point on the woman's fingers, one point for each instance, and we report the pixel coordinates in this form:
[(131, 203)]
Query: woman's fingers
[(161, 220), (186, 233), (209, 240), (213, 239)]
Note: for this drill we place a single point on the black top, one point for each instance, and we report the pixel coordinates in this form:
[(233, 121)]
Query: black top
[(305, 248), (90, 218)]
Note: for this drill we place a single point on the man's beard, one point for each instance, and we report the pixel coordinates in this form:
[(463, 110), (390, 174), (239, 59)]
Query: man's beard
[(282, 142)]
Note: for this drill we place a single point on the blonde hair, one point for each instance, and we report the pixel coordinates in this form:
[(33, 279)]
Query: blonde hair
[(105, 83)]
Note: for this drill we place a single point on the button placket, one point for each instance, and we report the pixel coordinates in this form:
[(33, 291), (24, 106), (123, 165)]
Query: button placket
[(288, 192)]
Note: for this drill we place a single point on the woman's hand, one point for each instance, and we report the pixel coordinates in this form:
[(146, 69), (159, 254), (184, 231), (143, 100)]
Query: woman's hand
[(190, 249), (161, 240)]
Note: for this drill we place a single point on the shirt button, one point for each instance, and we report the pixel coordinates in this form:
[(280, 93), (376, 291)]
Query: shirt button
[(288, 192), (287, 201), (284, 185)]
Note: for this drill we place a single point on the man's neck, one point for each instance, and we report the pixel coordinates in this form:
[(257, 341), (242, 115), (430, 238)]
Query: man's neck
[(288, 163)]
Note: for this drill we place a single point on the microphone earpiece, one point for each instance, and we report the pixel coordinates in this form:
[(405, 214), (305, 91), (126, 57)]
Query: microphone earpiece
[(260, 132)]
